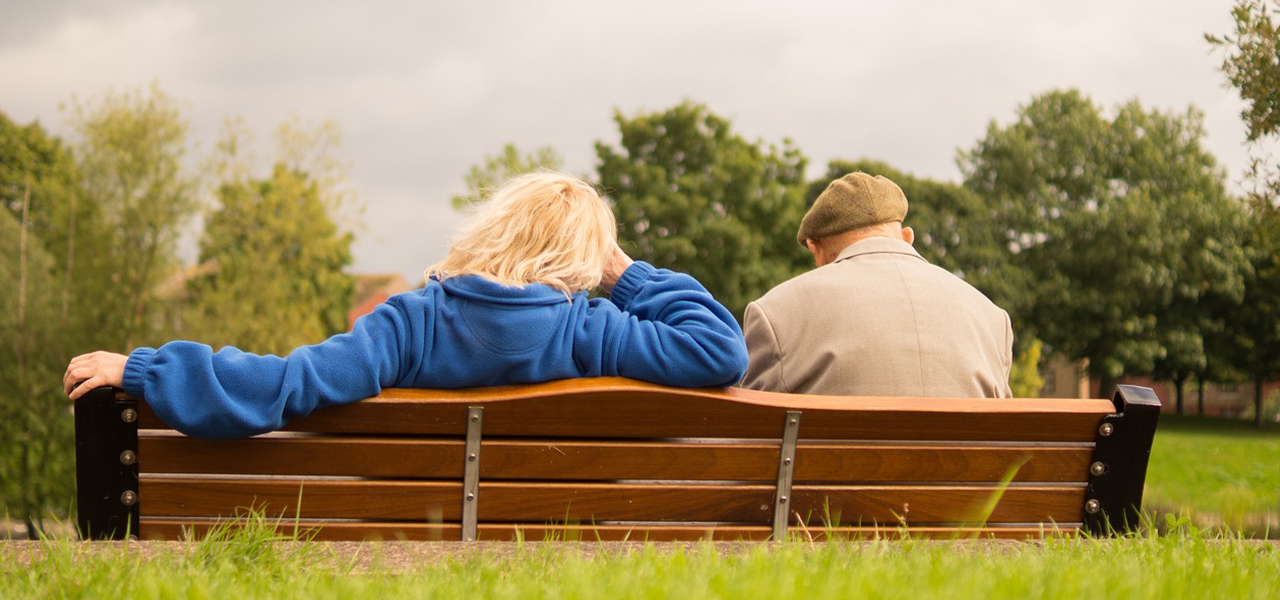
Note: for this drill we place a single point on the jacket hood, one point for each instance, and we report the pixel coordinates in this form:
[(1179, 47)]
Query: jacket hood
[(475, 287)]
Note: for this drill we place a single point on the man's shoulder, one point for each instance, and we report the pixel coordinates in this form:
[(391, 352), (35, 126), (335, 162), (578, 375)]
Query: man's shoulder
[(786, 292), (957, 285)]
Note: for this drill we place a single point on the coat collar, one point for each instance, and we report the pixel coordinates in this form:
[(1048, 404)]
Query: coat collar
[(877, 245)]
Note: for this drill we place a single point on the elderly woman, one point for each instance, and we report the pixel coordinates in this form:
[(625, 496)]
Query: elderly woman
[(508, 305)]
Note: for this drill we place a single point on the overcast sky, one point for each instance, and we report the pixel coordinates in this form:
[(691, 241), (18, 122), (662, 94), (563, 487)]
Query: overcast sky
[(423, 91)]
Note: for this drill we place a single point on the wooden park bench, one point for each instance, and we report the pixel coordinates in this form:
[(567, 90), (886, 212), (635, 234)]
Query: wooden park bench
[(615, 459)]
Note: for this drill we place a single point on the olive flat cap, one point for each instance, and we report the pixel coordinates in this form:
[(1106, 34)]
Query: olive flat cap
[(851, 202)]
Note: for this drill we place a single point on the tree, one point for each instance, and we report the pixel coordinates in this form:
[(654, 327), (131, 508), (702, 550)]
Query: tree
[(38, 199), (1025, 380), (1121, 223), (130, 153), (1255, 327), (274, 253), (1252, 67), (486, 177), (692, 195)]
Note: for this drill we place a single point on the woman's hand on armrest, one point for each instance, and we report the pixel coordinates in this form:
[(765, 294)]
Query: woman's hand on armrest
[(93, 370)]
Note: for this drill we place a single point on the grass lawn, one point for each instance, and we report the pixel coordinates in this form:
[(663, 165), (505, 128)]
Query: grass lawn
[(1223, 470), (1182, 565)]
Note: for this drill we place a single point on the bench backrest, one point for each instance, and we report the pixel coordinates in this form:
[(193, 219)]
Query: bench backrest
[(618, 459)]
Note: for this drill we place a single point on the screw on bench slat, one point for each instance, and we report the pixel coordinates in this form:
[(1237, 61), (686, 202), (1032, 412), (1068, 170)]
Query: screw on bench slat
[(786, 469), (471, 475)]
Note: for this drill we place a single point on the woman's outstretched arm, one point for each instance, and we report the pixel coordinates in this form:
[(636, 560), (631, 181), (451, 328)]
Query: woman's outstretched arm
[(231, 393)]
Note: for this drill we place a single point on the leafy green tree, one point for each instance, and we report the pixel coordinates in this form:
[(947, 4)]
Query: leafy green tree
[(38, 198), (274, 255), (484, 178), (130, 153), (37, 466), (1025, 380), (692, 195), (1255, 326), (1119, 222), (1252, 67)]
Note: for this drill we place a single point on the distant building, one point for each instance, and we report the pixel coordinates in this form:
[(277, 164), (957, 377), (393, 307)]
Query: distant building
[(1067, 379), (173, 296), (373, 289), (1063, 378)]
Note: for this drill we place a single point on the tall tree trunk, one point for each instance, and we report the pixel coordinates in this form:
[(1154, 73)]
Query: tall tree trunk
[(19, 341), (1178, 383), (1200, 391), (1106, 383), (71, 265), (1258, 382), (19, 346)]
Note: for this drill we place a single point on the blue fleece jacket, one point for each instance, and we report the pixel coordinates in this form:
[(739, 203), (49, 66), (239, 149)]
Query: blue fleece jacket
[(657, 326)]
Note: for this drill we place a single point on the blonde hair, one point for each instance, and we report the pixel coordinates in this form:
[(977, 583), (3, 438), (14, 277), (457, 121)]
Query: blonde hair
[(545, 228)]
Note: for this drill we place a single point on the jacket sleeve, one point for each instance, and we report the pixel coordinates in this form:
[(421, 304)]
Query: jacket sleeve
[(231, 393), (669, 330), (765, 369)]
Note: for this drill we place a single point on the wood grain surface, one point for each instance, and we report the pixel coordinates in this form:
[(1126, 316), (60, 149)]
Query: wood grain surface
[(578, 460), (621, 408), (538, 502)]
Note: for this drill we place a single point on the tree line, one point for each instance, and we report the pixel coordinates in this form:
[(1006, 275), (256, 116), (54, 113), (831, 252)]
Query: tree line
[(1109, 235), (88, 260)]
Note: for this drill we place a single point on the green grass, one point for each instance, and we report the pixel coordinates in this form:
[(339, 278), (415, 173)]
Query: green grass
[(1222, 470), (1185, 564)]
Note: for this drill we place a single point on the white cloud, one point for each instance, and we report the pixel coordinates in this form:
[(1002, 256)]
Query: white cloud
[(423, 90)]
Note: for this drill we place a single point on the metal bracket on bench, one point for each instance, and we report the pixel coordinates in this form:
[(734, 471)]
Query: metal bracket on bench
[(106, 465), (786, 468), (471, 475), (1113, 498)]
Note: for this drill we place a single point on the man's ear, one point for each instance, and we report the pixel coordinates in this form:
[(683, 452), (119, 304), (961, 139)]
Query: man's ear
[(816, 251), (819, 256), (909, 235)]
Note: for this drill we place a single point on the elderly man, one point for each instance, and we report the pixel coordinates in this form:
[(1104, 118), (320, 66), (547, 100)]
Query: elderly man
[(874, 319)]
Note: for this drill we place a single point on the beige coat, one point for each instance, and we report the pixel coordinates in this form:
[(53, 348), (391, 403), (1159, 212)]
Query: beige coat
[(879, 321)]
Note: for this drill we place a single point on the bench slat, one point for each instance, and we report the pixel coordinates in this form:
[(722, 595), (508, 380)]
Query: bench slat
[(618, 408), (605, 460), (551, 502), (155, 528)]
